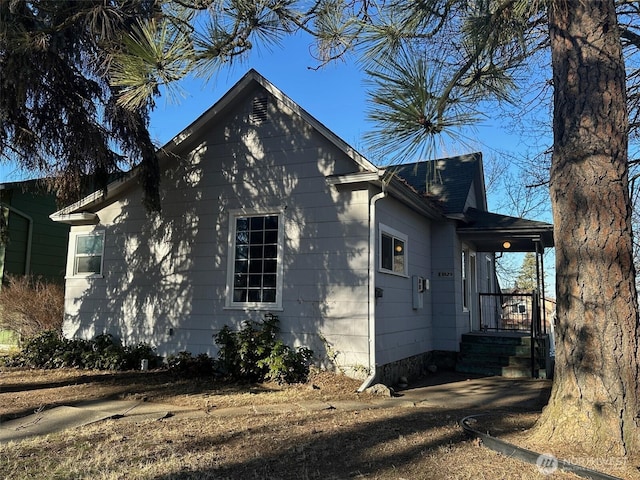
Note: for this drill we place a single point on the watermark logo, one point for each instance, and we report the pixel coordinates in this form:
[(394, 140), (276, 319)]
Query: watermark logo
[(547, 464)]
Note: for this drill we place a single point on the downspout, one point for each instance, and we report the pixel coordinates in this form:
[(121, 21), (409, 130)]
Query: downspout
[(27, 259), (372, 289)]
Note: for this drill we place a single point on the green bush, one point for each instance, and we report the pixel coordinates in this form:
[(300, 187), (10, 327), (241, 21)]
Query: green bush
[(50, 350), (285, 365), (186, 364), (253, 353)]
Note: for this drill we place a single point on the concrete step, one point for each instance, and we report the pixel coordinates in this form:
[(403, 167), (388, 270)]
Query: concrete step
[(497, 360), (495, 349), (492, 338), (508, 372)]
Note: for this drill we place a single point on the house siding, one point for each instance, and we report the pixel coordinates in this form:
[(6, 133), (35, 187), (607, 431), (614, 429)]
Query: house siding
[(401, 330), (48, 239), (165, 275), (449, 317)]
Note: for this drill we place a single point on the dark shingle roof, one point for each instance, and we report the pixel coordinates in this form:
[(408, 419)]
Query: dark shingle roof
[(488, 230), (448, 180), (477, 219)]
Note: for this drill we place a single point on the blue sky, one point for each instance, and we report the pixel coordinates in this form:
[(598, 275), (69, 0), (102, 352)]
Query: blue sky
[(334, 94)]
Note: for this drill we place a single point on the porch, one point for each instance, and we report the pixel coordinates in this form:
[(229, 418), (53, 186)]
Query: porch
[(509, 330), (513, 340)]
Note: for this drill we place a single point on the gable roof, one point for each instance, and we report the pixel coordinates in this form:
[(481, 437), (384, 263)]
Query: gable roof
[(449, 180), (77, 212)]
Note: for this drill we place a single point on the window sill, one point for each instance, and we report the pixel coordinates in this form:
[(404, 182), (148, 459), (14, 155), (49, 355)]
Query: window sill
[(92, 275), (256, 308), (395, 274)]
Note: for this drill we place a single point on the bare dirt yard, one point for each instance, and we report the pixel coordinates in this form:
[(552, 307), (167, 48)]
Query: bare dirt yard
[(363, 442)]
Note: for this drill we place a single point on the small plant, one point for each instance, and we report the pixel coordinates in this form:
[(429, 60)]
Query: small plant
[(285, 365), (253, 353)]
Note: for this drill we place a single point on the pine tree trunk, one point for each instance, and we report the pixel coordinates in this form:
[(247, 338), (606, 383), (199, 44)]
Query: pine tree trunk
[(594, 405)]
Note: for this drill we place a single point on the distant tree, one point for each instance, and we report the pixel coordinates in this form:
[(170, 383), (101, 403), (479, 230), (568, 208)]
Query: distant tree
[(527, 279)]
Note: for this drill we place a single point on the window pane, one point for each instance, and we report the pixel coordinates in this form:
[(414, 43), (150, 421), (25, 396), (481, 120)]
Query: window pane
[(242, 224), (271, 223), (255, 280), (242, 238), (269, 280), (242, 252), (270, 266), (269, 295), (386, 260), (254, 296), (256, 237), (240, 280), (270, 251), (256, 223), (398, 256), (239, 295), (89, 244), (88, 264), (271, 237), (255, 266), (256, 251), (242, 266)]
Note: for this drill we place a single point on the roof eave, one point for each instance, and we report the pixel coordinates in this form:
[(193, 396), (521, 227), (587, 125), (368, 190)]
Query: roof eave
[(99, 196), (81, 218), (414, 200), (509, 239)]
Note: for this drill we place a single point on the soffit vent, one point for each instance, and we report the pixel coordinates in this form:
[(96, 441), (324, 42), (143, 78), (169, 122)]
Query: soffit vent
[(259, 111)]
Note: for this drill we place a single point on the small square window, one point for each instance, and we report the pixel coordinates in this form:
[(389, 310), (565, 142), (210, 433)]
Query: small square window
[(89, 250), (393, 251)]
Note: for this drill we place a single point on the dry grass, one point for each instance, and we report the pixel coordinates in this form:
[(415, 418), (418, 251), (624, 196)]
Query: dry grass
[(367, 443)]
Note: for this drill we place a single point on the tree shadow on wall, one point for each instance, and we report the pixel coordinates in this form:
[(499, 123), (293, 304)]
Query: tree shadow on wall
[(165, 275)]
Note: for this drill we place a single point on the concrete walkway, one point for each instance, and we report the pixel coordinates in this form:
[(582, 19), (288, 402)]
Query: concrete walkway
[(445, 390)]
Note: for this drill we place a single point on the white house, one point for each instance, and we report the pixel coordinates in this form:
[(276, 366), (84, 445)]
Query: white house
[(264, 210)]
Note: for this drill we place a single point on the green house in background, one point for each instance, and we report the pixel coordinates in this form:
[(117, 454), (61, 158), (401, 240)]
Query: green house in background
[(35, 244)]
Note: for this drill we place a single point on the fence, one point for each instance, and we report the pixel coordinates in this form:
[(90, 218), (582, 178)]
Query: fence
[(510, 312)]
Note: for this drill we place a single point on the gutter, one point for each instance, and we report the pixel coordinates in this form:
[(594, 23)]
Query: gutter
[(372, 290)]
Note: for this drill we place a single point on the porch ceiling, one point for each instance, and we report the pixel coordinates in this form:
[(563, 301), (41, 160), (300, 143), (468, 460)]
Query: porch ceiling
[(489, 232)]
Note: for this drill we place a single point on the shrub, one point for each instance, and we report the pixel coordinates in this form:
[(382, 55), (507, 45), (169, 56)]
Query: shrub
[(186, 364), (30, 305), (285, 365), (253, 353), (50, 350)]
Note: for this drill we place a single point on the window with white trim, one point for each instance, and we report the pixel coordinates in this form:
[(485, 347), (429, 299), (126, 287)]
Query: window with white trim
[(393, 251), (255, 266), (88, 254)]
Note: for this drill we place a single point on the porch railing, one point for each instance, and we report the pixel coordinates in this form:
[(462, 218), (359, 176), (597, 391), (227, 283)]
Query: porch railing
[(510, 312)]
